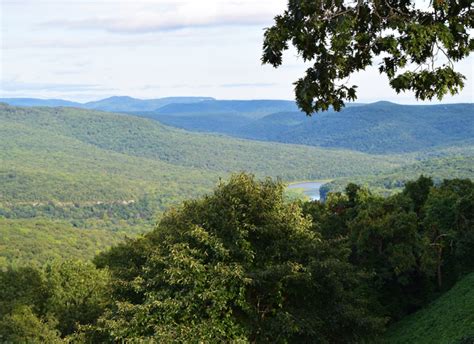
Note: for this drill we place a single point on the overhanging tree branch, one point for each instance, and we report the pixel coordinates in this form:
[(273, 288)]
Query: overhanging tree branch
[(341, 37)]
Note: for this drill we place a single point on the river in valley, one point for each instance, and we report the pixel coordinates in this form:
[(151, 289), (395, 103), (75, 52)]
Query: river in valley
[(310, 189)]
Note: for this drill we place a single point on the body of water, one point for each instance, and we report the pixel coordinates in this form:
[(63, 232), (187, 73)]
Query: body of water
[(310, 189)]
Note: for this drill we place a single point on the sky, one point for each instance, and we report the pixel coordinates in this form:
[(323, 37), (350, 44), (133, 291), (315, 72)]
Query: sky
[(86, 50)]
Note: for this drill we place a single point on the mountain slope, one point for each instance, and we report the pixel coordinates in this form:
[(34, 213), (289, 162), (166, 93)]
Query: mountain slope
[(379, 128), (458, 164), (445, 321), (376, 128), (114, 104), (38, 102), (124, 104), (228, 124), (72, 181), (29, 242), (174, 106), (72, 154), (246, 108), (90, 169)]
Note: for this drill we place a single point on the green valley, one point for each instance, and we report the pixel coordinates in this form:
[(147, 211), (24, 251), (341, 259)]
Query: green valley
[(75, 183), (68, 155), (115, 173), (236, 171)]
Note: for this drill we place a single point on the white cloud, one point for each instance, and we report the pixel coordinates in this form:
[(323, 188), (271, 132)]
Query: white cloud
[(15, 86), (151, 16), (249, 84), (90, 49)]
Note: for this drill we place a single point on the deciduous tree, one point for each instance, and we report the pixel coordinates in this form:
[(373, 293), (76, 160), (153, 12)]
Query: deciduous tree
[(414, 43)]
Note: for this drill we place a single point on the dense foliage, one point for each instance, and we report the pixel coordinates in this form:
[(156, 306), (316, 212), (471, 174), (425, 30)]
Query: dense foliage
[(41, 306), (239, 264), (244, 265), (452, 163), (34, 242), (417, 242), (449, 319), (343, 37)]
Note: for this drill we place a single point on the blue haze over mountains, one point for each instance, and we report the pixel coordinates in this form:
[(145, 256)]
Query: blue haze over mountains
[(378, 128)]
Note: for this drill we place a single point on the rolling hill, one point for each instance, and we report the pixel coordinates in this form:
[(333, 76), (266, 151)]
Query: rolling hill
[(116, 103), (252, 109), (204, 109), (67, 155), (86, 177), (90, 170), (378, 128), (125, 104), (39, 102), (182, 106)]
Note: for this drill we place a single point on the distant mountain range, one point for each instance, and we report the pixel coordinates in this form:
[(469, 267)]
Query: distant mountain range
[(379, 128), (124, 104), (39, 102), (184, 106), (115, 104)]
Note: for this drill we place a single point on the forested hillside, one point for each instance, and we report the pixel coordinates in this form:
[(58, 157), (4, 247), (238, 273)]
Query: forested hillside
[(241, 219), (243, 265), (252, 109), (61, 143), (449, 319), (458, 164), (89, 170), (141, 138), (168, 105), (37, 241), (99, 170), (380, 128)]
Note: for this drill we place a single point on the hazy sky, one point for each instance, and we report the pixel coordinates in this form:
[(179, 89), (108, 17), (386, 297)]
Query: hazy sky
[(89, 49)]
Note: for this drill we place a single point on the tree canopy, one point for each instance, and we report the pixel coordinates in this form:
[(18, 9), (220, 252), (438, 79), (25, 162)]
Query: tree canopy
[(240, 265), (245, 265), (415, 44)]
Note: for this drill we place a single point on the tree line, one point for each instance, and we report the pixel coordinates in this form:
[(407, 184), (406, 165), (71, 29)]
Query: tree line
[(244, 265)]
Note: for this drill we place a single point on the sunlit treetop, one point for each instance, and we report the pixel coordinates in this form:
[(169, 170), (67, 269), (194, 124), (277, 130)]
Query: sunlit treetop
[(414, 43)]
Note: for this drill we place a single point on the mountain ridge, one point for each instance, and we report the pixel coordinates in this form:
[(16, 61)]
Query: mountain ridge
[(377, 128)]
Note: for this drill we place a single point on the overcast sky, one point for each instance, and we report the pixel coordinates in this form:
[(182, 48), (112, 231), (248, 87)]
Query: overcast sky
[(90, 49)]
